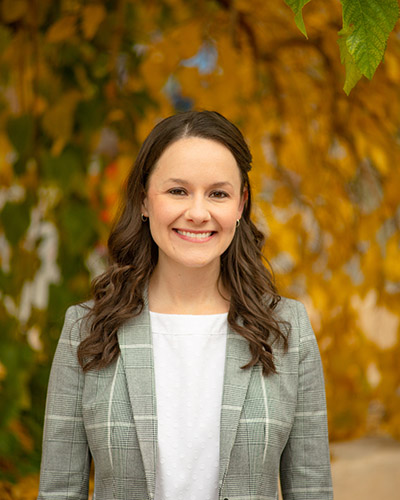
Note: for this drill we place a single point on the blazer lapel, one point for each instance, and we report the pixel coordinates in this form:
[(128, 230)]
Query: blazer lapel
[(236, 382), (136, 346)]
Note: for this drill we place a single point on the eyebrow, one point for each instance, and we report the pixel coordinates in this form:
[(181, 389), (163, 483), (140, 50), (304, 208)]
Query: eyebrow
[(215, 184)]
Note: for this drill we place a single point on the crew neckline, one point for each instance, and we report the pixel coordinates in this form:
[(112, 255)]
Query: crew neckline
[(194, 315), (184, 324)]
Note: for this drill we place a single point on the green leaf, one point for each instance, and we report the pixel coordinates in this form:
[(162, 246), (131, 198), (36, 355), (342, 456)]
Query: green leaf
[(67, 170), (370, 22), (297, 7), (77, 227), (353, 74), (90, 114), (15, 218), (20, 132), (17, 357), (62, 168), (5, 37)]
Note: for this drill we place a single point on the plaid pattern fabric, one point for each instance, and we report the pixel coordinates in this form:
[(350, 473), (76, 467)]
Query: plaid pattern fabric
[(270, 426)]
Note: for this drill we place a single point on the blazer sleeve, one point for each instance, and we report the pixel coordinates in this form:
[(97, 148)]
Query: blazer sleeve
[(305, 471), (65, 466)]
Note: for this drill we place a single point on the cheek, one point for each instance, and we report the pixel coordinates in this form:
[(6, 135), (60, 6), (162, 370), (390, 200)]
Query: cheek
[(227, 219), (160, 210), (162, 214)]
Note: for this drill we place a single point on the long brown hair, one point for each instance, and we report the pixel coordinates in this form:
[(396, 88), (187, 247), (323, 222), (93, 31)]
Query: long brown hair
[(245, 273)]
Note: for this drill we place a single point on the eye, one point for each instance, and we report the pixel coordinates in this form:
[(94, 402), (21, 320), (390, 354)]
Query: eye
[(219, 194), (177, 191)]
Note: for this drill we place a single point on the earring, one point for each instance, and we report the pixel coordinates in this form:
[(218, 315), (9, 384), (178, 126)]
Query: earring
[(143, 217), (237, 222)]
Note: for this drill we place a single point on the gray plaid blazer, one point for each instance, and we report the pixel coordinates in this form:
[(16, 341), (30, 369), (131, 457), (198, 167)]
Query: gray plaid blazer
[(270, 427)]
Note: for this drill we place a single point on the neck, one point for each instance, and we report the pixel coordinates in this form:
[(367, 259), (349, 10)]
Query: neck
[(174, 290)]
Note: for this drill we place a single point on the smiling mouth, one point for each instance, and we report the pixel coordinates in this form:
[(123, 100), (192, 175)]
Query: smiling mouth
[(198, 236)]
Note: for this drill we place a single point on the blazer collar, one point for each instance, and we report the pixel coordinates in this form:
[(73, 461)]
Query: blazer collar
[(136, 346)]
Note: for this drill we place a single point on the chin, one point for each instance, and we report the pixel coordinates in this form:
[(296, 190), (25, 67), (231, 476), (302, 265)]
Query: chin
[(196, 264)]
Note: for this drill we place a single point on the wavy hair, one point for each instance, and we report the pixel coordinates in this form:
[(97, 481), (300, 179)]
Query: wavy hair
[(118, 293)]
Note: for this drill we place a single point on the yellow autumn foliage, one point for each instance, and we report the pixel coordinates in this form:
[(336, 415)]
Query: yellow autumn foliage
[(316, 152), (92, 17), (62, 30)]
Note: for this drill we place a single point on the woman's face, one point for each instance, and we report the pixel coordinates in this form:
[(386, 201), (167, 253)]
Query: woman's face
[(193, 201)]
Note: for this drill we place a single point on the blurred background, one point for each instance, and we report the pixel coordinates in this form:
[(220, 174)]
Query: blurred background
[(81, 85)]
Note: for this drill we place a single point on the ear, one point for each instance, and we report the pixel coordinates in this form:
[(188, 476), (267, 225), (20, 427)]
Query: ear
[(243, 200), (144, 210)]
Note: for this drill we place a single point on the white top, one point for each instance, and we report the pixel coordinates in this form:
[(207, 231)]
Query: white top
[(189, 360)]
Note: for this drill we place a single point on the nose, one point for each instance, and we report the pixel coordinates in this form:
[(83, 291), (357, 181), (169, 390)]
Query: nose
[(197, 210)]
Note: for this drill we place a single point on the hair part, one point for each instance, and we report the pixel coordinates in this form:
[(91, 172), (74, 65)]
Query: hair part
[(118, 293)]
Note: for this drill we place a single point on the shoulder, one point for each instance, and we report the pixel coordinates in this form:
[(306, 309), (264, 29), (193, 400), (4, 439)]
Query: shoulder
[(78, 311), (74, 319), (300, 333), (292, 311)]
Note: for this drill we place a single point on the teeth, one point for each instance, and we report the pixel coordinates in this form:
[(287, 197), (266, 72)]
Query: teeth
[(195, 235)]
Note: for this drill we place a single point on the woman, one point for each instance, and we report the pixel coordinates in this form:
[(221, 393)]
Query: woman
[(187, 376)]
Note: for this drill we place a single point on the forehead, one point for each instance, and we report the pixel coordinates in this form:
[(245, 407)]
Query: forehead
[(197, 156)]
